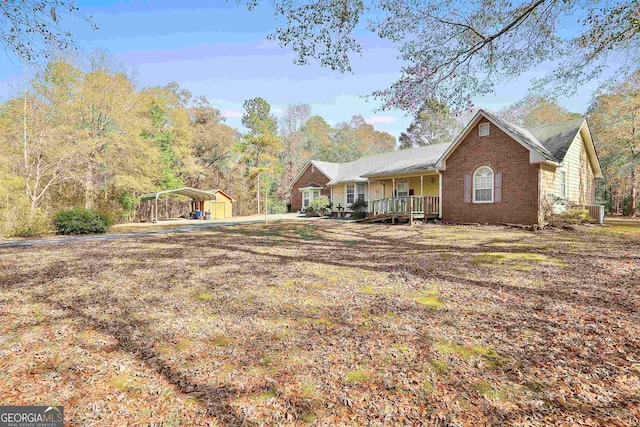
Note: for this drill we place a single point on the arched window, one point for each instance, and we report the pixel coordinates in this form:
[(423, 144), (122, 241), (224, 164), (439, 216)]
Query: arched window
[(483, 185)]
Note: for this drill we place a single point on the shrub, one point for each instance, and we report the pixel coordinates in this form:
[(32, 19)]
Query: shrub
[(359, 205), (81, 221), (572, 215), (318, 204), (24, 226), (16, 222), (127, 202), (277, 206)]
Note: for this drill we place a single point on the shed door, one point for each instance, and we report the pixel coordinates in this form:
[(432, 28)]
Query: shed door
[(219, 211)]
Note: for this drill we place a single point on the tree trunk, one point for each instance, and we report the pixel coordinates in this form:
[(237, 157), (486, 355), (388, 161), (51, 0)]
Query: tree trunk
[(258, 192), (34, 205), (632, 211), (88, 188)]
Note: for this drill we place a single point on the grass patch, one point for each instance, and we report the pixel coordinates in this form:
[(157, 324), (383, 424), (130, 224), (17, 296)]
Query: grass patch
[(123, 382), (184, 344), (221, 341), (204, 296), (405, 349), (308, 417), (439, 366), (370, 290), (430, 301), (357, 376), (519, 260), (491, 358), (308, 232), (428, 387)]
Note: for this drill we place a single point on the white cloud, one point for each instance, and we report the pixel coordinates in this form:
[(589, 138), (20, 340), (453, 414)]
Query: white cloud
[(380, 120), (231, 113)]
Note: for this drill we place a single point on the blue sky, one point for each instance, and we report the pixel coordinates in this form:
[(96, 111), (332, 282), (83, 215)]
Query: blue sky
[(219, 50)]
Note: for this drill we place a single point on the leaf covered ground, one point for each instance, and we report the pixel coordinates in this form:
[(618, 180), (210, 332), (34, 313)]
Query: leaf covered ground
[(326, 323)]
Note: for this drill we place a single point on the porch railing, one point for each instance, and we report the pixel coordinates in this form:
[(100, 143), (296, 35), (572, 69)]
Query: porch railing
[(427, 205)]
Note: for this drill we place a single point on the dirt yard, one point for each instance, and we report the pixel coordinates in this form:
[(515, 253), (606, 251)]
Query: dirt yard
[(326, 323)]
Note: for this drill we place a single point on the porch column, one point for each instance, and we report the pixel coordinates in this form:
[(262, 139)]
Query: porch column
[(393, 188), (421, 177), (440, 195)]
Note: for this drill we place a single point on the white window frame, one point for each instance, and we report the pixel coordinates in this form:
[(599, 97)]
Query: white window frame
[(483, 127), (363, 193), (348, 203), (492, 187), (309, 194), (405, 193), (563, 184)]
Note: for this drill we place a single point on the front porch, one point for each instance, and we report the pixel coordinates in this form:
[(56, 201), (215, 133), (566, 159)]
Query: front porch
[(406, 208)]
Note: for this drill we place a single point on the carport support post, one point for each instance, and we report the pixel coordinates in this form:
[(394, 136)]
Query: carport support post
[(156, 208)]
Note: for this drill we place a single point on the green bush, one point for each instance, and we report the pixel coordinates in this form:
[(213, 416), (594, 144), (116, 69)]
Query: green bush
[(318, 204), (127, 202), (359, 206), (277, 206), (81, 221), (572, 215)]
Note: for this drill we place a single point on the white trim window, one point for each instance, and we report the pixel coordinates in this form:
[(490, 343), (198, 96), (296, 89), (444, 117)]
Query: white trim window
[(483, 129), (563, 184), (308, 196), (350, 194), (483, 185), (362, 191), (403, 188)]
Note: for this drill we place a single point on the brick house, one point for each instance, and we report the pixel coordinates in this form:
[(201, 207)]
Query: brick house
[(311, 183), (493, 172)]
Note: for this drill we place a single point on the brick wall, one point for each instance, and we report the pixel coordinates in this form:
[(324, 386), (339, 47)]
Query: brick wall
[(311, 175), (504, 155)]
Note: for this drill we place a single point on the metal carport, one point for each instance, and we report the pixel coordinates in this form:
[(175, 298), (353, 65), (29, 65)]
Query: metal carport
[(193, 193)]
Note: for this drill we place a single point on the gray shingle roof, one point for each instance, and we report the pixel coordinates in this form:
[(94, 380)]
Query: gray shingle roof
[(327, 168), (558, 137), (414, 159), (552, 142)]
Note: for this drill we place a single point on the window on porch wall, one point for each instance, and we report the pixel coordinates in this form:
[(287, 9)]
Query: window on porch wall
[(362, 191), (351, 191), (403, 188)]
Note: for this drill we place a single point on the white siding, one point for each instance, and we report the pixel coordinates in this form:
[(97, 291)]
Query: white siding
[(579, 175)]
